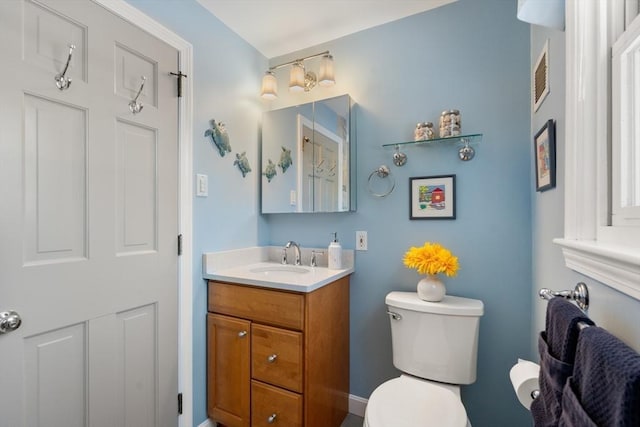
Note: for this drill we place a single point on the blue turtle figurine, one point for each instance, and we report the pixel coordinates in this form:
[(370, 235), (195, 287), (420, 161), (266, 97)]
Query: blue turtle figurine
[(242, 163), (219, 136), (285, 159), (270, 170)]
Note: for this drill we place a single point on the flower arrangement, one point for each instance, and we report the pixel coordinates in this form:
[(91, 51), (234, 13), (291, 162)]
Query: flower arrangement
[(431, 258)]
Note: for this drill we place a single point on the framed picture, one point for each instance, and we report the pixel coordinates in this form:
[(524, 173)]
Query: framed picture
[(540, 78), (432, 197), (544, 146)]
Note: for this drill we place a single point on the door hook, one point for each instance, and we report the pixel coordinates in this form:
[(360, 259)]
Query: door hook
[(61, 81), (134, 105)]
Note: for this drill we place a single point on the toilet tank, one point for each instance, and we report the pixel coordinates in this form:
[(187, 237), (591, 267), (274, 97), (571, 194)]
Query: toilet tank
[(435, 340)]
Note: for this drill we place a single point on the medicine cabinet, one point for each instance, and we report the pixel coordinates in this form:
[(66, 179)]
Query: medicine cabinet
[(308, 157)]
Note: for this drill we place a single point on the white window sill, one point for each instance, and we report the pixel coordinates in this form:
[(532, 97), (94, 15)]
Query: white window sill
[(614, 265)]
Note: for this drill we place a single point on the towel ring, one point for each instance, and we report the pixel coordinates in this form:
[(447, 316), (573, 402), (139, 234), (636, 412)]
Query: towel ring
[(381, 172), (580, 294)]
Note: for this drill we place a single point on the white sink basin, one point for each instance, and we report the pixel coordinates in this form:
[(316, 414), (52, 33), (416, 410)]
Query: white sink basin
[(294, 269), (253, 267)]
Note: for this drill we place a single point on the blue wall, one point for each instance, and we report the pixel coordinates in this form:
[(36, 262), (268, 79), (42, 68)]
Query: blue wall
[(469, 55)]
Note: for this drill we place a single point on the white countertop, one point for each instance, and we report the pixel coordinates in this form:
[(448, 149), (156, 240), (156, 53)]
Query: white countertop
[(253, 266)]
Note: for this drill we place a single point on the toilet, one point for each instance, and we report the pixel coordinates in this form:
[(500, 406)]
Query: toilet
[(435, 345)]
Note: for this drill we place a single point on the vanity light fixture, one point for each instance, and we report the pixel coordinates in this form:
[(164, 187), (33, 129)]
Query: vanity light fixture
[(269, 86), (300, 80)]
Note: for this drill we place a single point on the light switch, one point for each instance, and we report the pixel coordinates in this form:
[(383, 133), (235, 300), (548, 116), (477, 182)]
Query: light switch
[(202, 185), (293, 198)]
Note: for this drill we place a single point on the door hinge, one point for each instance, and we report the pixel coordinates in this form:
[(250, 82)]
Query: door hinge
[(179, 77), (179, 403), (179, 244)]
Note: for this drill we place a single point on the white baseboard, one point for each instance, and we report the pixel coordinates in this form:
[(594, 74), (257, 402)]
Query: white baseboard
[(357, 405)]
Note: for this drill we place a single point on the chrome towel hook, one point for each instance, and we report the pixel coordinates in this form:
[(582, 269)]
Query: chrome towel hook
[(61, 81), (399, 158), (134, 105), (580, 294), (466, 152)]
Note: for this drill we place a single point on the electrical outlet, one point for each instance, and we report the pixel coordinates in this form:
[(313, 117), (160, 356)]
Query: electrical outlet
[(361, 241)]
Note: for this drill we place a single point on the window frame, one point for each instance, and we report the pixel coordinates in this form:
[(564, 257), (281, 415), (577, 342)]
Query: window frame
[(591, 246)]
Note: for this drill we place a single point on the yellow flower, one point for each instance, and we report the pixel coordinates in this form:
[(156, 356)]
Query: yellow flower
[(432, 258)]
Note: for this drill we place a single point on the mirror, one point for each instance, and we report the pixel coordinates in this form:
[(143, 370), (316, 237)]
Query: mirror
[(308, 157)]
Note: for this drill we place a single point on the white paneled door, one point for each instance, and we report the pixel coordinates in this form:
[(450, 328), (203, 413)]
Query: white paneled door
[(88, 219)]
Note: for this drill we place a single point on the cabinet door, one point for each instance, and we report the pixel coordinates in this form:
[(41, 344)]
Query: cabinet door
[(228, 370)]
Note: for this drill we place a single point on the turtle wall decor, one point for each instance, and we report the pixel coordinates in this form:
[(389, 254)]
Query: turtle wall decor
[(219, 137), (285, 159), (270, 170), (243, 163)]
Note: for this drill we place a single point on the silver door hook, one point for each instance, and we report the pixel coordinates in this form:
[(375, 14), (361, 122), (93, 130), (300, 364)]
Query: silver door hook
[(134, 105), (61, 81)]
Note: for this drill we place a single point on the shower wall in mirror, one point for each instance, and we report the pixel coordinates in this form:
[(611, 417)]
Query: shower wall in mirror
[(308, 157)]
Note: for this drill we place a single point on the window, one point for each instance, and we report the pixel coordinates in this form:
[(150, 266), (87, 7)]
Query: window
[(594, 244), (625, 127)]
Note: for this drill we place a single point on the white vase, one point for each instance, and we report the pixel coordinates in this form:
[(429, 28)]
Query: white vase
[(431, 288)]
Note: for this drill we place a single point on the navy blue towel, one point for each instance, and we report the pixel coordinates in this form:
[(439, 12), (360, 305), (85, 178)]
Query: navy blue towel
[(605, 381), (573, 414), (557, 347), (562, 328)]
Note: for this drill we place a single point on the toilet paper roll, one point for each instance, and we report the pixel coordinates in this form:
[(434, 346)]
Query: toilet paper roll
[(524, 378)]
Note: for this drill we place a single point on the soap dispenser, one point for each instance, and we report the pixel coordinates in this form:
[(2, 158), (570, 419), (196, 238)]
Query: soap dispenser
[(335, 253)]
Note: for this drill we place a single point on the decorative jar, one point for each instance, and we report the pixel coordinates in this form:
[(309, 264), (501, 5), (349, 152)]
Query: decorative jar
[(423, 131), (450, 123)]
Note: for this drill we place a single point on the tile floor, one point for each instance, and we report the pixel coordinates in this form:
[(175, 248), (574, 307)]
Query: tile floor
[(352, 421)]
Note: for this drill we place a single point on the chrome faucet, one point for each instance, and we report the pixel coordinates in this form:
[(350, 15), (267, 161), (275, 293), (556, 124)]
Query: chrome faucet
[(314, 262), (297, 252)]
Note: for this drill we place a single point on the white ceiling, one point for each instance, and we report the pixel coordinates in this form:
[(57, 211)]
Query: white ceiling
[(278, 27)]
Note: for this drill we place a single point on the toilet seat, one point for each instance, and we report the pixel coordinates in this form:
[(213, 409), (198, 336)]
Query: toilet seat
[(411, 402)]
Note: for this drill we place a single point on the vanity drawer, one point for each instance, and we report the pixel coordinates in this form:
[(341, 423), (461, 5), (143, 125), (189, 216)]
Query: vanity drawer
[(258, 304), (276, 356), (274, 406)]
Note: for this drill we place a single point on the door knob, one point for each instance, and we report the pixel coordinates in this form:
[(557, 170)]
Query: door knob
[(9, 321)]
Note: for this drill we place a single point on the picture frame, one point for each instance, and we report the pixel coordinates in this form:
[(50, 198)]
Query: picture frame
[(544, 153), (540, 78), (432, 197)]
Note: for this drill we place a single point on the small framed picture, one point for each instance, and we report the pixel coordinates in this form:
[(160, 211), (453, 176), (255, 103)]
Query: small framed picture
[(544, 146), (432, 197)]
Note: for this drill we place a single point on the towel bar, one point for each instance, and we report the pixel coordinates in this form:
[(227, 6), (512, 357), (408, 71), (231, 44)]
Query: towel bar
[(580, 294)]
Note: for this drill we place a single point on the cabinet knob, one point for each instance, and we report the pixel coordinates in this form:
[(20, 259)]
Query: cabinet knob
[(272, 418), (272, 358), (242, 334)]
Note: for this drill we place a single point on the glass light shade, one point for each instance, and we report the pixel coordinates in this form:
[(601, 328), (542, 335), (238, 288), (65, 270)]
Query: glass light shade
[(296, 78), (269, 86), (326, 76)]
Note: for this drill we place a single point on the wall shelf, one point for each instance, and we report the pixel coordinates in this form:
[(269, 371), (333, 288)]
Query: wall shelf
[(471, 138), (465, 153)]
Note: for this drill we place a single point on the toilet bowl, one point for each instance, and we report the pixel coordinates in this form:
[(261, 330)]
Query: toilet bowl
[(412, 402)]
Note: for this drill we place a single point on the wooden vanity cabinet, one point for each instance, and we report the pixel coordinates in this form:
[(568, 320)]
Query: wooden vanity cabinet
[(277, 357)]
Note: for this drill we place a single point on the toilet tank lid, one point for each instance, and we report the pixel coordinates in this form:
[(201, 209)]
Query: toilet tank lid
[(451, 305)]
